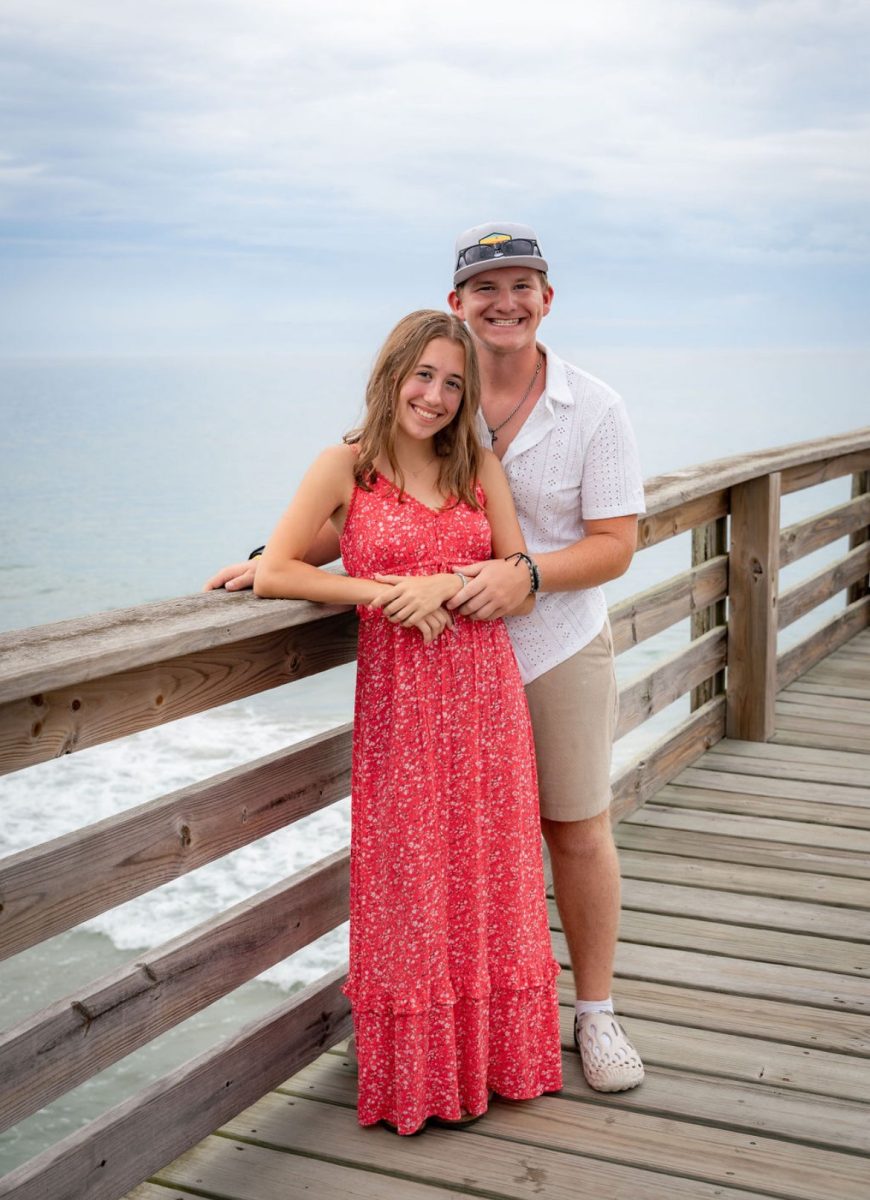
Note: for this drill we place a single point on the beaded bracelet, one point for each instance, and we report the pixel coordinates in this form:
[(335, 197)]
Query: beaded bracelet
[(534, 572)]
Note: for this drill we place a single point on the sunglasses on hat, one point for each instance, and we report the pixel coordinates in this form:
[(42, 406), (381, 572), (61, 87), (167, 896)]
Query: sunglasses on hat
[(512, 247)]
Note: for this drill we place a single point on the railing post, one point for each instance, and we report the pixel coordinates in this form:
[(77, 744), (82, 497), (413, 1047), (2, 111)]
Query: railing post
[(708, 541), (860, 588), (752, 617)]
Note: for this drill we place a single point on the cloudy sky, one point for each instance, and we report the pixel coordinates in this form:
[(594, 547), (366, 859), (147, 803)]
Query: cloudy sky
[(252, 174)]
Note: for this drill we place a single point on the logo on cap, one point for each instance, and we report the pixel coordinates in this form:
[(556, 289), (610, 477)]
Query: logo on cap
[(493, 239)]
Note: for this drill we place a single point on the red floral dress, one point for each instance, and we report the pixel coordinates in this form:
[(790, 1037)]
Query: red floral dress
[(452, 976)]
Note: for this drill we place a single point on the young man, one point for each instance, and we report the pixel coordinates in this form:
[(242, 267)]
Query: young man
[(569, 454)]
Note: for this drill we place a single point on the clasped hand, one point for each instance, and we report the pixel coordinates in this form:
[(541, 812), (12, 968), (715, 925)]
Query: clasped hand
[(416, 601), (496, 587)]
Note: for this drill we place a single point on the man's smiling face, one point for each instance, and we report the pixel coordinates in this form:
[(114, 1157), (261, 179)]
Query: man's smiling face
[(503, 307)]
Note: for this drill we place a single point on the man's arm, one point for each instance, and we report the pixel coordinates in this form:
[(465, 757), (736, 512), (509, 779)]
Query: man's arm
[(603, 554), (238, 576)]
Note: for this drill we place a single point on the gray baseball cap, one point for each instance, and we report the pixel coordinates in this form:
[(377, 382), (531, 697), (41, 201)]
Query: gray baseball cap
[(496, 244)]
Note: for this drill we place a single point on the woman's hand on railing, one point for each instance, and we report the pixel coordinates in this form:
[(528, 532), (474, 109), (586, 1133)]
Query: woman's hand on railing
[(234, 578)]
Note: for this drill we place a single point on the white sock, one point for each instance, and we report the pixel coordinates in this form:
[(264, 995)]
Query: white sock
[(593, 1006)]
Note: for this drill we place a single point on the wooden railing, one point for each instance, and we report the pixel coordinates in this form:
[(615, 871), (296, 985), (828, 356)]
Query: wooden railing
[(79, 683)]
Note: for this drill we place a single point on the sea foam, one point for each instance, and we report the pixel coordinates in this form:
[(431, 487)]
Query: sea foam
[(69, 793)]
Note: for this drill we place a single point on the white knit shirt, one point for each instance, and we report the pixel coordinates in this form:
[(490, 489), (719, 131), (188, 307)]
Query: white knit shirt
[(574, 458)]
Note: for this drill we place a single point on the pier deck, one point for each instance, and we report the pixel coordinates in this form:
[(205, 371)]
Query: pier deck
[(742, 973)]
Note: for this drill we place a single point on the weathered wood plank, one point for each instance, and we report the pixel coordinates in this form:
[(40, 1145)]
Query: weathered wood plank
[(798, 476), (753, 587), (822, 642), (820, 792), (861, 587), (796, 1116), (803, 537), (745, 879), (749, 850), (709, 542), (752, 1060), (675, 676), (800, 762), (133, 1140), (636, 782), (743, 977), (48, 657), (54, 1050), (724, 824), (711, 904), (53, 887), (774, 947), (851, 718), (641, 1140), (814, 1120), (658, 526), (804, 465), (48, 724), (760, 804), (244, 1170), (648, 613), (849, 708), (495, 1163), (153, 1191), (835, 687), (822, 736), (803, 597), (752, 1016)]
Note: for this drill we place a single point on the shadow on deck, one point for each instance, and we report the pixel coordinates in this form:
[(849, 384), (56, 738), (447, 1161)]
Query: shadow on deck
[(742, 976)]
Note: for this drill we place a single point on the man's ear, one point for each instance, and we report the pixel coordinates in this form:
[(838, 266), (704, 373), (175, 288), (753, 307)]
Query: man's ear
[(455, 302)]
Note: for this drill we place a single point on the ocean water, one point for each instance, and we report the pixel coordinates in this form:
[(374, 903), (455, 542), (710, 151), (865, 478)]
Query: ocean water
[(127, 480)]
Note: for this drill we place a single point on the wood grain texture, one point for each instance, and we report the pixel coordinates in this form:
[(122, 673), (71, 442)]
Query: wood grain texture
[(746, 878), (680, 517), (676, 675), (133, 1140), (646, 1142), (49, 723), (667, 1091), (860, 587), (803, 597), (497, 1163), (753, 587), (61, 883), (804, 464), (802, 538), (58, 1048), (636, 782), (648, 613), (709, 544), (711, 1011), (48, 657), (813, 649), (810, 473), (766, 912)]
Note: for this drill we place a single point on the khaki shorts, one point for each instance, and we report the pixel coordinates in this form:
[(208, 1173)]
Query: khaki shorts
[(574, 709)]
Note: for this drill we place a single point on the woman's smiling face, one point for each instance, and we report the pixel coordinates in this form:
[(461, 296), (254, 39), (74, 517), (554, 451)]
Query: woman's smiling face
[(431, 395)]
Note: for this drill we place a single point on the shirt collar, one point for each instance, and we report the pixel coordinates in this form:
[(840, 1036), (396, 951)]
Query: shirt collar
[(557, 379)]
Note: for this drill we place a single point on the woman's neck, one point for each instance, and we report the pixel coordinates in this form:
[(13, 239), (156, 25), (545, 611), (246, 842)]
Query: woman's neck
[(413, 455)]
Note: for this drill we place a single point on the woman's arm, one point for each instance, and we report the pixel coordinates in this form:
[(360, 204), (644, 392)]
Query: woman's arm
[(324, 493)]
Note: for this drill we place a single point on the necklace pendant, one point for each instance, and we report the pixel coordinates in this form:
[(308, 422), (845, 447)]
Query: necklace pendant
[(494, 438)]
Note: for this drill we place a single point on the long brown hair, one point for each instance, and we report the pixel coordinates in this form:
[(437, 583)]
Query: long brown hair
[(457, 444)]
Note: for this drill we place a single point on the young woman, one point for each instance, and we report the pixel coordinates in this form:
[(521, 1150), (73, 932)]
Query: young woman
[(452, 978)]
